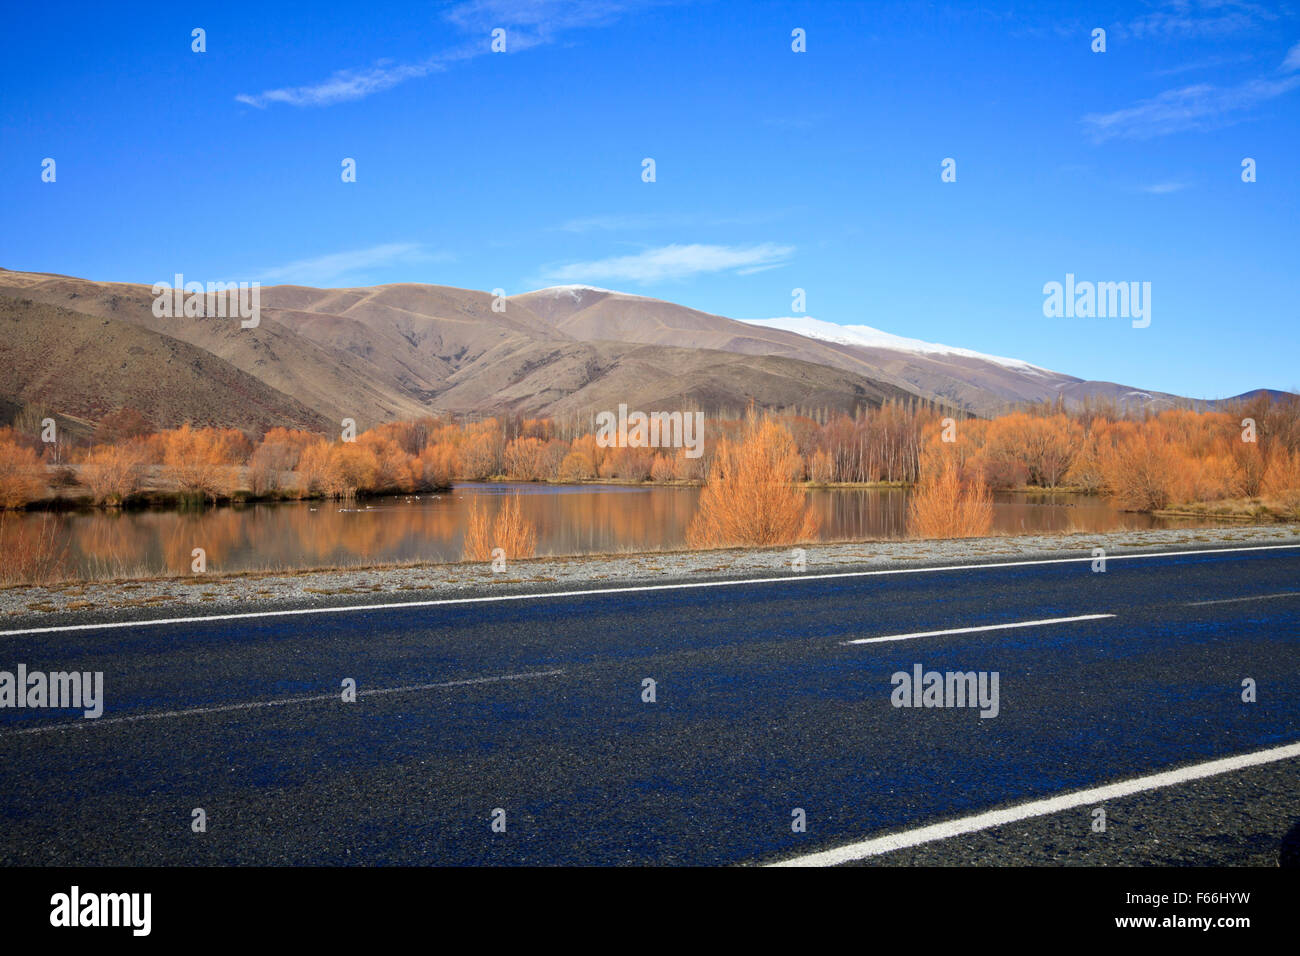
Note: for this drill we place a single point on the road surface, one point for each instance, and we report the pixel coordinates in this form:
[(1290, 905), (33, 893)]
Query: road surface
[(1120, 690)]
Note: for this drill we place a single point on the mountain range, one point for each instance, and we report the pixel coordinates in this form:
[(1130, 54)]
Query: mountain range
[(79, 348)]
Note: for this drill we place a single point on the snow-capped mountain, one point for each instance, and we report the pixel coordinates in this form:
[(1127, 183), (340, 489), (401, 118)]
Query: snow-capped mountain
[(868, 337)]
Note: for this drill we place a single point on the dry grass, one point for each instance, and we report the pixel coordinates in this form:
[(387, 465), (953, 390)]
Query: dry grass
[(944, 505), (750, 497)]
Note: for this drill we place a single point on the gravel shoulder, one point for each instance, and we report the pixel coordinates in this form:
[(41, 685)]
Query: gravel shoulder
[(124, 600)]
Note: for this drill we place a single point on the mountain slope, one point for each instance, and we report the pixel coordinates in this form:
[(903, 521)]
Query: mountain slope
[(405, 350), (400, 351), (334, 383), (982, 383), (84, 366), (561, 378)]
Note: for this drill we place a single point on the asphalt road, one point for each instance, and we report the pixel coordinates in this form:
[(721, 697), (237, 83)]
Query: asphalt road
[(763, 706)]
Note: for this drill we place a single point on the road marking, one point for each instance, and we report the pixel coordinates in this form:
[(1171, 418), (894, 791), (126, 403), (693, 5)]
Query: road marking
[(974, 630), (1257, 597), (282, 702), (1038, 808), (589, 592)]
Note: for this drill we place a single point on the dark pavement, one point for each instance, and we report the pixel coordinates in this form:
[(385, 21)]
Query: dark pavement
[(535, 706)]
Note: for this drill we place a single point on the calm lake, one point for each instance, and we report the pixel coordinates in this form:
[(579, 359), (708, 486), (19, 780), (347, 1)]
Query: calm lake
[(570, 519)]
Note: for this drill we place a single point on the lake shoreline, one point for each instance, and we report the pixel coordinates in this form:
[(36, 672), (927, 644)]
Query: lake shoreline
[(249, 591)]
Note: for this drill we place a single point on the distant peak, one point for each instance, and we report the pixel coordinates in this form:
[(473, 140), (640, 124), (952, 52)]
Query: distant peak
[(558, 290), (866, 336)]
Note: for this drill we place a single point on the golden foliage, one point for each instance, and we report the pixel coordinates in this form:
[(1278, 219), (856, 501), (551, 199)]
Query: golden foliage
[(199, 461), (438, 466), (662, 469), (945, 504), (113, 473), (22, 476), (524, 459), (749, 498)]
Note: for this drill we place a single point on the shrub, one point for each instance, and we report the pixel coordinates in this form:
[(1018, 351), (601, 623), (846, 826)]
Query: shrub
[(357, 469), (269, 463), (480, 453), (687, 468), (22, 476), (394, 469), (1282, 479), (1087, 470), (198, 461), (749, 498), (943, 504), (662, 470), (630, 464), (113, 473), (316, 470), (1143, 472), (438, 465), (120, 426), (1250, 469), (525, 459), (820, 468)]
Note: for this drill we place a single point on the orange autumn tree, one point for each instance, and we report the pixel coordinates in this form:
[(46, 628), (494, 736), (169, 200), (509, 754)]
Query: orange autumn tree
[(437, 465), (113, 473), (750, 497), (1143, 472), (22, 476), (945, 504), (199, 461), (276, 457), (951, 499)]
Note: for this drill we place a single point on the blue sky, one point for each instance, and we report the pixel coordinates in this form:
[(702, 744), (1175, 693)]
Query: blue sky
[(775, 170)]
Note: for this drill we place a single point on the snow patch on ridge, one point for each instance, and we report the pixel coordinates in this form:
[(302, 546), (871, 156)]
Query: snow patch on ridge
[(573, 290), (866, 336)]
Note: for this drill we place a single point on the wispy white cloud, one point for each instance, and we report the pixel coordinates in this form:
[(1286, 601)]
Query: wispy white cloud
[(343, 86), (1189, 19), (541, 16), (1292, 61), (1202, 106), (528, 23), (1160, 189), (338, 268), (673, 262), (1209, 63)]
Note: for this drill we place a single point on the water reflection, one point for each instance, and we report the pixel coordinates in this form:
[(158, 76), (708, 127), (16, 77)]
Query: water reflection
[(570, 519)]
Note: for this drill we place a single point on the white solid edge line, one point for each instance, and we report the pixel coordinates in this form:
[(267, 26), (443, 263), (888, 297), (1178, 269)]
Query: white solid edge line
[(625, 590), (974, 630), (281, 702), (1038, 808)]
